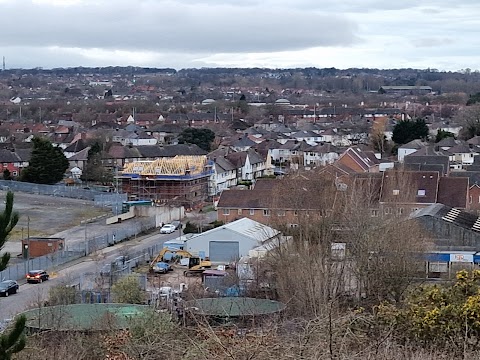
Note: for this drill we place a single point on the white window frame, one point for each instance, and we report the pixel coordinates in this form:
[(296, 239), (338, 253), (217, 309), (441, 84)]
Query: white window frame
[(226, 211)]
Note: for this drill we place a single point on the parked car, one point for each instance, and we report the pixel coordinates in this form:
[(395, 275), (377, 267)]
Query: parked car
[(8, 287), (37, 276), (162, 268), (177, 224), (167, 229)]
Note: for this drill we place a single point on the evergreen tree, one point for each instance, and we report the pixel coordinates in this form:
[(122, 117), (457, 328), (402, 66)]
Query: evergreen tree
[(408, 130), (94, 169), (201, 137), (8, 220), (47, 164), (14, 340)]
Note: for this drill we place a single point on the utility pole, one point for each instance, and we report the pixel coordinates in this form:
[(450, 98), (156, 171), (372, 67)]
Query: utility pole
[(28, 243), (86, 240)]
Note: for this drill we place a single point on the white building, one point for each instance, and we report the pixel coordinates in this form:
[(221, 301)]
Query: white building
[(230, 242)]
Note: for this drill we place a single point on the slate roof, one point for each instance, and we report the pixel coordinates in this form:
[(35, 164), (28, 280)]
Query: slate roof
[(155, 151), (254, 157), (428, 162), (243, 142), (76, 146), (9, 156), (81, 155), (447, 142), (460, 149), (223, 165), (24, 154), (473, 176), (414, 144)]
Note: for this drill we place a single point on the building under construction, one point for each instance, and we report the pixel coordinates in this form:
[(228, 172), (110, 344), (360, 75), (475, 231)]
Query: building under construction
[(179, 180)]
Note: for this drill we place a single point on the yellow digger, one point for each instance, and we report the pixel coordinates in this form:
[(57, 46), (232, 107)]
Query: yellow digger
[(195, 264)]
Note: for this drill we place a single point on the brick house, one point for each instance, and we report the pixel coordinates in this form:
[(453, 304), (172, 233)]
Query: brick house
[(359, 160), (14, 161), (284, 202)]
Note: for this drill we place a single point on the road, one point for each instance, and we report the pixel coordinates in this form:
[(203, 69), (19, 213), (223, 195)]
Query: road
[(31, 294)]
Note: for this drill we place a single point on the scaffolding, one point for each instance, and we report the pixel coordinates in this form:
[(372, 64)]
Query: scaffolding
[(181, 180)]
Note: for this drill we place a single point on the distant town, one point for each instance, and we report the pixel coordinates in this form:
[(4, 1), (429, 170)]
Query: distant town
[(257, 213)]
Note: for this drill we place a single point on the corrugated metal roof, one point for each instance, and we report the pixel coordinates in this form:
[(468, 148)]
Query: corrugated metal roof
[(252, 229)]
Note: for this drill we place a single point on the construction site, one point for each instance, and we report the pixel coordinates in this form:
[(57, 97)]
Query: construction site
[(180, 180)]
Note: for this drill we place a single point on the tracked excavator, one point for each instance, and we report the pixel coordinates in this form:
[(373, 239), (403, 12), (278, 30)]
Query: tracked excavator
[(195, 264)]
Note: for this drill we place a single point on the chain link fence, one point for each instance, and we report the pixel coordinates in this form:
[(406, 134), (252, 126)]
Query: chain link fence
[(76, 251), (100, 198)]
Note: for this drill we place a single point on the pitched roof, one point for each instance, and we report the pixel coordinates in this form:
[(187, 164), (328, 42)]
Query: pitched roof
[(453, 191), (222, 165), (76, 146), (414, 144), (447, 142), (473, 176), (9, 156), (364, 159), (410, 187), (243, 142), (156, 151), (238, 159)]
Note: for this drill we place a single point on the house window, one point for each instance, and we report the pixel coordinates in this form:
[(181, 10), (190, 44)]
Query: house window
[(421, 192), (295, 212), (387, 210), (471, 199), (266, 212), (14, 173), (396, 192), (5, 164), (281, 213), (252, 211), (374, 213), (226, 211), (400, 211), (239, 211)]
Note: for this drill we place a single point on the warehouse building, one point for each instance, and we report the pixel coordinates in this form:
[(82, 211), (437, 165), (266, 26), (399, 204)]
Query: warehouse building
[(230, 242)]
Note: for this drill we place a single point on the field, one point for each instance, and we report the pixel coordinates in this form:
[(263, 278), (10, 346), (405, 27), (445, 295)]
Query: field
[(47, 215)]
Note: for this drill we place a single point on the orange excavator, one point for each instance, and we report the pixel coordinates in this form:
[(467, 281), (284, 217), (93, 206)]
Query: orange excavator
[(195, 264)]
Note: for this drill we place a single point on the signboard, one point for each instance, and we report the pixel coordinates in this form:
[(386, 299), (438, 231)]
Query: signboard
[(468, 258)]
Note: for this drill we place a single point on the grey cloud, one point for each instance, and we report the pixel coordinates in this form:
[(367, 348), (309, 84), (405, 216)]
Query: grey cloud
[(185, 26), (432, 42)]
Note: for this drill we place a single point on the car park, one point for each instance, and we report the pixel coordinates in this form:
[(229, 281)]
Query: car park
[(37, 276), (167, 229), (8, 287)]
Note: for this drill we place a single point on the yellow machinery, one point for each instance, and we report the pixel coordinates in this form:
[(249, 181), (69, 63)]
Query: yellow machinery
[(195, 264)]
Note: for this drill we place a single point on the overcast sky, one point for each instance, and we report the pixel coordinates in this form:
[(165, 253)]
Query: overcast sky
[(441, 34)]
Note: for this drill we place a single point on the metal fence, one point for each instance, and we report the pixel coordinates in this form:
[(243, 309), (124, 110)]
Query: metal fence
[(76, 251), (101, 198)]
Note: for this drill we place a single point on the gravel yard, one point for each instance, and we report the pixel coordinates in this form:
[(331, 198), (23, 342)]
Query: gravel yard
[(48, 215)]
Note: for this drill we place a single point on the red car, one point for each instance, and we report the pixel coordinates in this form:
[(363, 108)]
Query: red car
[(37, 276)]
